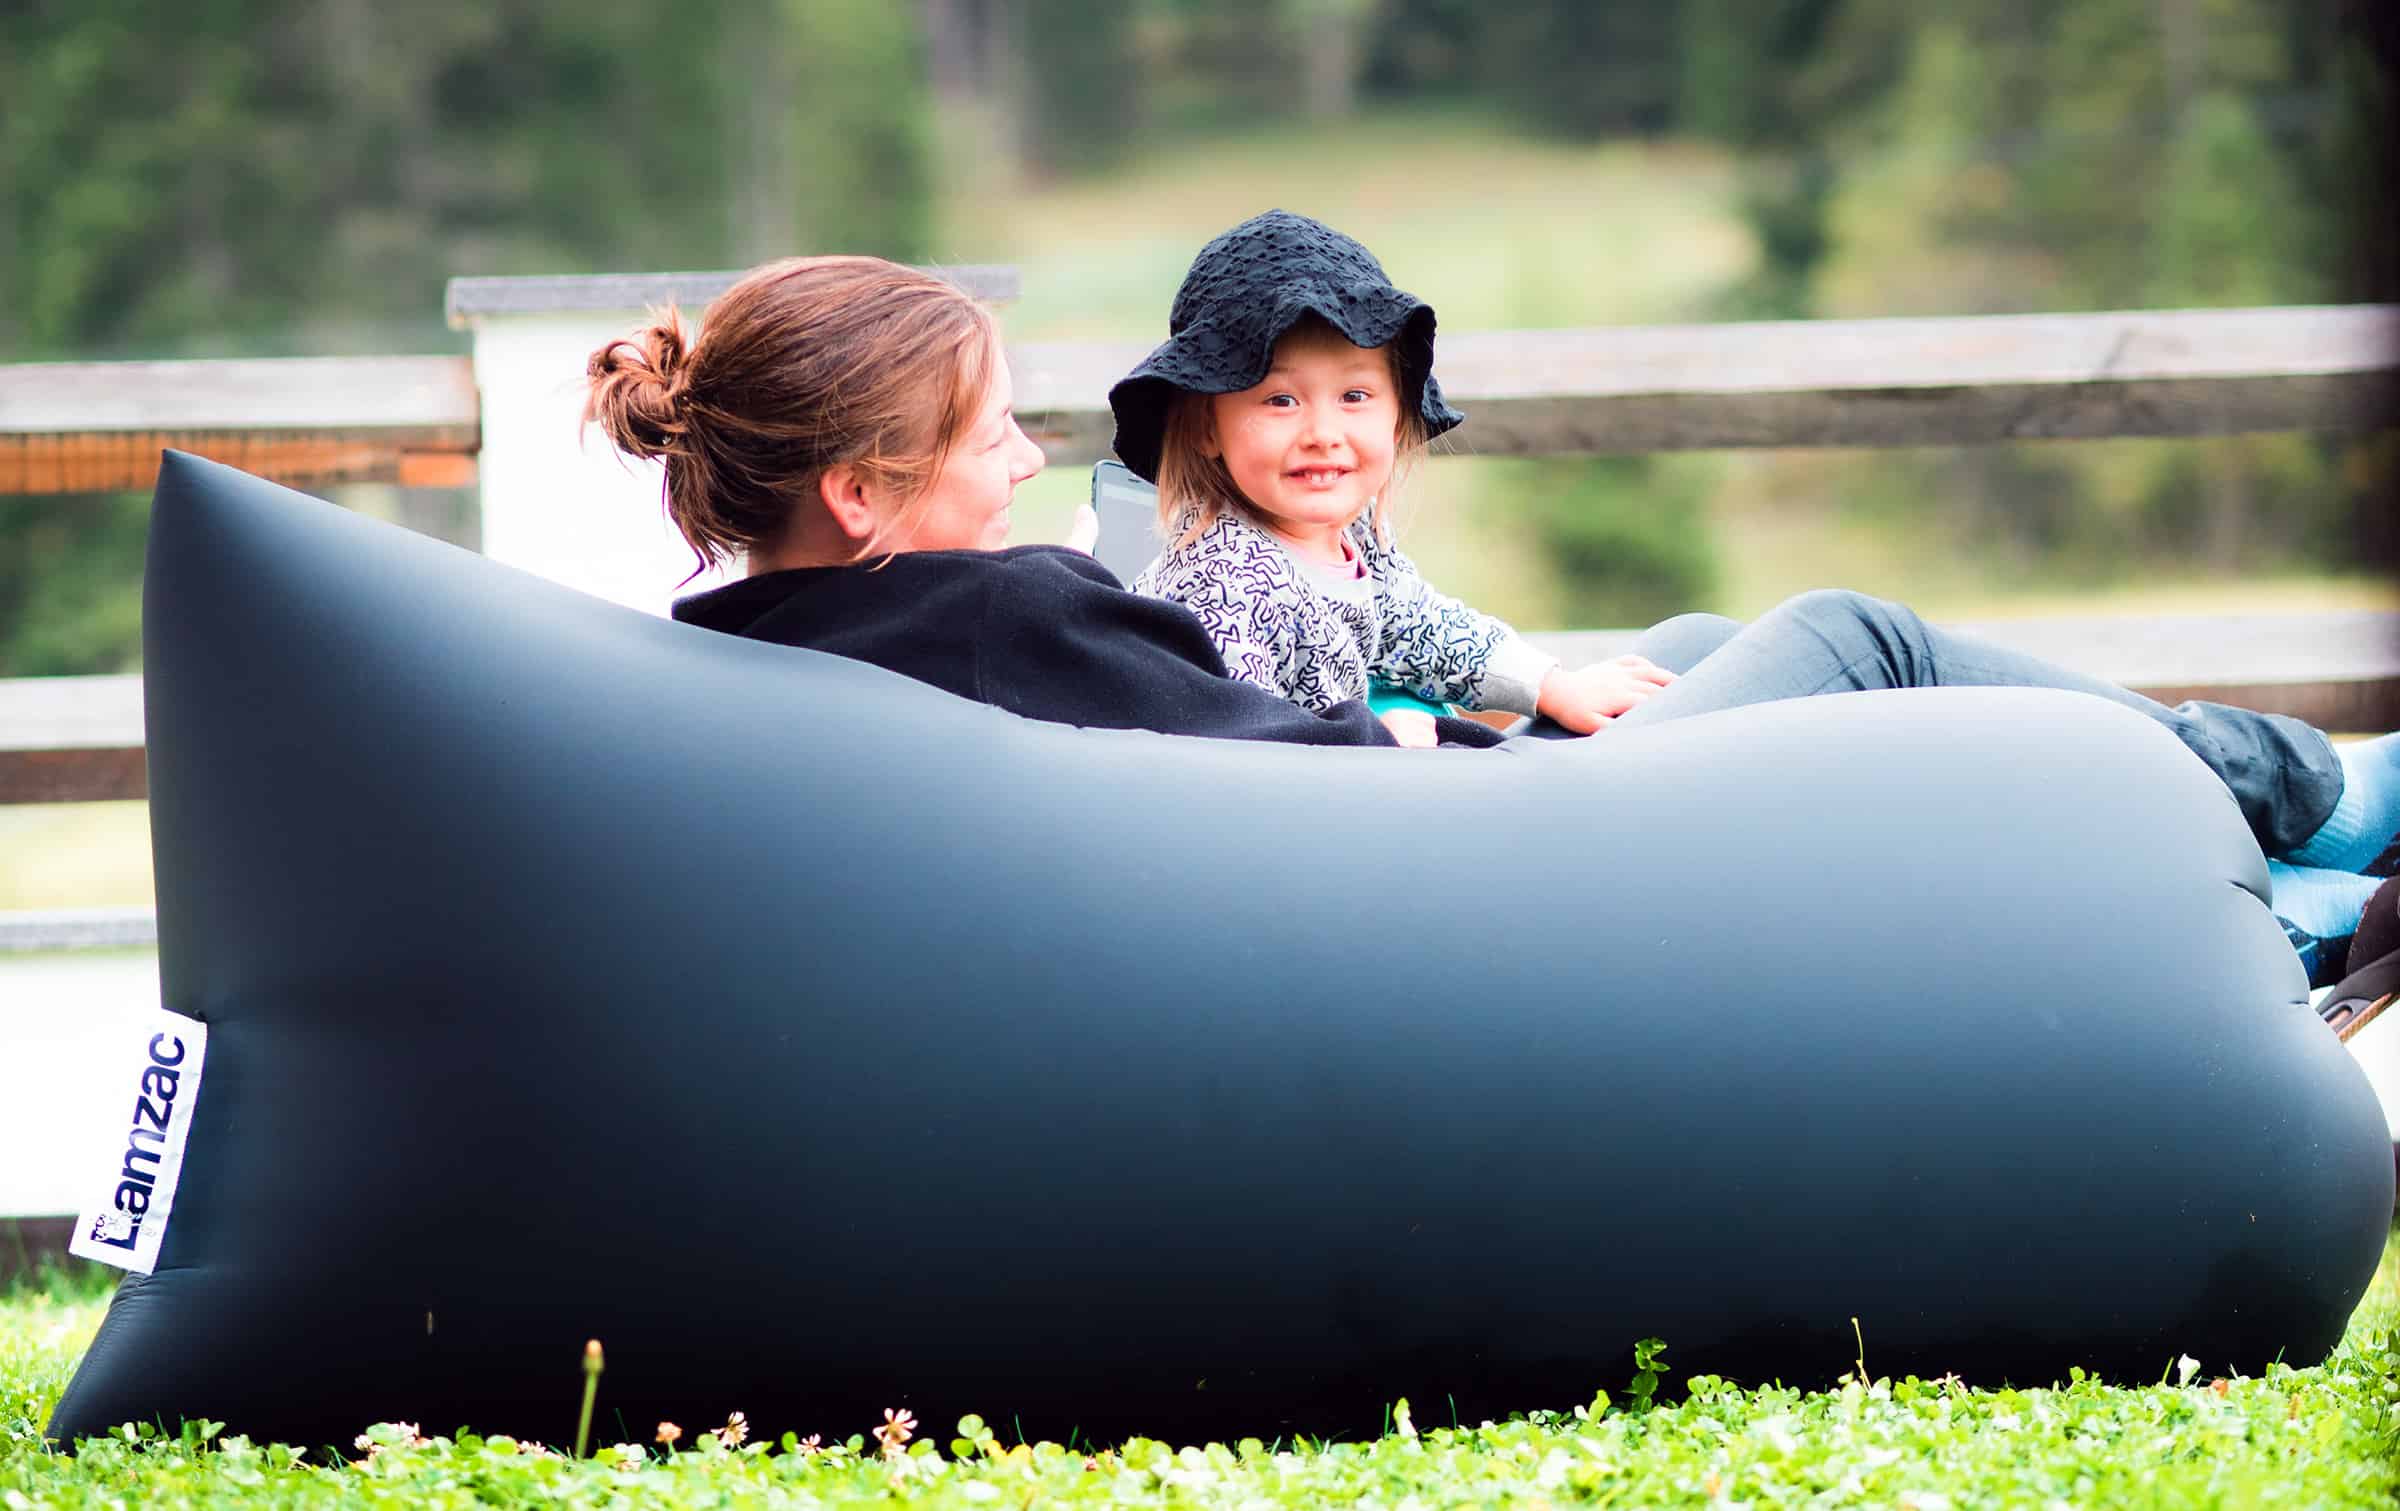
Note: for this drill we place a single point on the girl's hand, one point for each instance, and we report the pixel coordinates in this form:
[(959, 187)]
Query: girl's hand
[(1412, 727), (1592, 697)]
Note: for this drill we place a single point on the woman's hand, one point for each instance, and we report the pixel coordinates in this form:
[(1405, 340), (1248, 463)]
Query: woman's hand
[(1085, 532), (1412, 727), (1593, 696)]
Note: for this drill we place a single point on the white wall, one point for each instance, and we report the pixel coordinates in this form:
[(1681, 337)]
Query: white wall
[(559, 501), (63, 1028)]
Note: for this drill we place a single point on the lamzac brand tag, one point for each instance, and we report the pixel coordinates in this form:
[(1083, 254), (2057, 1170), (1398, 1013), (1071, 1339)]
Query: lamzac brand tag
[(132, 1191)]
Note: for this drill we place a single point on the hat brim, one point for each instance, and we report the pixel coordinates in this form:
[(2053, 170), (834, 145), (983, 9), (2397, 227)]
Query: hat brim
[(1200, 359)]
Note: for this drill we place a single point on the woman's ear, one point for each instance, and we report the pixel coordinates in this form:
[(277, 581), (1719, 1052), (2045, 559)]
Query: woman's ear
[(845, 496)]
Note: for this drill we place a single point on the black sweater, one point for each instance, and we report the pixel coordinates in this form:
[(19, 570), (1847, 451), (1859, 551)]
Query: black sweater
[(1041, 631)]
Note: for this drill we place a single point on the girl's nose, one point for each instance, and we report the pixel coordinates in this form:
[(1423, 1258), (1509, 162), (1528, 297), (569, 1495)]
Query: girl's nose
[(1321, 429)]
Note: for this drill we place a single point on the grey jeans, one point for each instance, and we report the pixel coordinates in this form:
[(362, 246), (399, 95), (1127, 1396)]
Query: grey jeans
[(2282, 773)]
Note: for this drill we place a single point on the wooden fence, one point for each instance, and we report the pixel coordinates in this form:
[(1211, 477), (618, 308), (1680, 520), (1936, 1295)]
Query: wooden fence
[(67, 427), (99, 426)]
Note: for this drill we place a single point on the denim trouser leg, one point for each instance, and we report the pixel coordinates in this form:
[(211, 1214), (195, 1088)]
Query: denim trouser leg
[(2282, 773), (1683, 642)]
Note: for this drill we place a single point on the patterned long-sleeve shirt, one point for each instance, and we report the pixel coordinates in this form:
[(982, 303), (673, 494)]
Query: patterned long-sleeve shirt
[(1297, 629)]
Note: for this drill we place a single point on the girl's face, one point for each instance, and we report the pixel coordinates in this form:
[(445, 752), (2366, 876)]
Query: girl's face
[(1311, 446), (965, 508)]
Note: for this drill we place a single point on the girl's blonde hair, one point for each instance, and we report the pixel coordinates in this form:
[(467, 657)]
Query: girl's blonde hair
[(803, 365), (1195, 489)]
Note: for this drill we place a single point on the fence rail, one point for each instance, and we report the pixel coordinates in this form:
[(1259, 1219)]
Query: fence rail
[(71, 427), (1811, 383), (95, 427), (99, 426)]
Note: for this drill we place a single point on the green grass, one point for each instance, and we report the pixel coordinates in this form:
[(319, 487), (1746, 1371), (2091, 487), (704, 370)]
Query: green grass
[(2321, 1437)]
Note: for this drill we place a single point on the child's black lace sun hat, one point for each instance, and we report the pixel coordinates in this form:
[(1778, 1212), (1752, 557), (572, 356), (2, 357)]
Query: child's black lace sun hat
[(1247, 288)]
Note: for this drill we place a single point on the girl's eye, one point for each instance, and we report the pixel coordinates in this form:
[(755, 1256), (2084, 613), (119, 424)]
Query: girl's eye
[(1281, 400), (1356, 396)]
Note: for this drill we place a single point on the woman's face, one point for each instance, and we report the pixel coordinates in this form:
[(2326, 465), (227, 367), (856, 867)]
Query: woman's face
[(965, 508)]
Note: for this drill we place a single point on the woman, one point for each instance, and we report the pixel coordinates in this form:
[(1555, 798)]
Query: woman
[(844, 425)]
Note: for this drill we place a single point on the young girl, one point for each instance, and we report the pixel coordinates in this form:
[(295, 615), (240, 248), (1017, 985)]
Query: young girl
[(1296, 382), (1296, 385)]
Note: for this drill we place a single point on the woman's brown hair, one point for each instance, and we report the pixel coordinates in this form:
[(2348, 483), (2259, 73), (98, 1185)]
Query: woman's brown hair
[(1194, 487), (802, 365)]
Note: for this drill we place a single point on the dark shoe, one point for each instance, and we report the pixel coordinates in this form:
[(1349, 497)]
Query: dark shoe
[(2373, 968)]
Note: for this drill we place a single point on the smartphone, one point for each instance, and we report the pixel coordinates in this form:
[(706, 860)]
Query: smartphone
[(1128, 510)]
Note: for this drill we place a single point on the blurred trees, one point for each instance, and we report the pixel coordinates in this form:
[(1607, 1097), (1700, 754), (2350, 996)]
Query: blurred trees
[(1626, 537), (1085, 97), (853, 125), (301, 175), (1587, 70), (2007, 155), (223, 177), (1995, 156), (71, 584), (231, 177)]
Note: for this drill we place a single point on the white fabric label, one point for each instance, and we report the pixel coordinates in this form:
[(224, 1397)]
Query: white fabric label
[(124, 1217)]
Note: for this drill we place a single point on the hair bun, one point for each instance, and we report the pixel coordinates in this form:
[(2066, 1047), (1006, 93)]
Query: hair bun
[(637, 389)]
